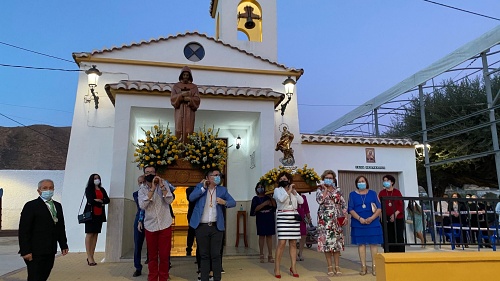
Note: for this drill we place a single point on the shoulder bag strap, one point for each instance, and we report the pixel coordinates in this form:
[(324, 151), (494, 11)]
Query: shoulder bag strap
[(81, 202)]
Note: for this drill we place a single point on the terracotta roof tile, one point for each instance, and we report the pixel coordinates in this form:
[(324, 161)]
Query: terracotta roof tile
[(194, 33), (212, 90), (309, 138)]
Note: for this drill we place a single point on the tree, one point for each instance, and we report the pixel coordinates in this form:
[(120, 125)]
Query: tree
[(442, 107)]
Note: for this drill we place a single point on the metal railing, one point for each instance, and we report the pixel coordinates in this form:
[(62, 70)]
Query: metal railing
[(449, 221)]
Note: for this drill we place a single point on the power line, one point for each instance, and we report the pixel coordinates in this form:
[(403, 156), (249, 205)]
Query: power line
[(327, 105), (65, 144), (35, 52), (462, 10), (33, 107), (39, 68)]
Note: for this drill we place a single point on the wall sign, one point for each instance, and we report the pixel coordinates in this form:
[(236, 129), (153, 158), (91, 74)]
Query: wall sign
[(369, 167)]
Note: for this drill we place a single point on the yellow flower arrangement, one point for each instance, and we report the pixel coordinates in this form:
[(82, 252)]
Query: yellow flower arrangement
[(205, 151), (159, 148), (308, 175)]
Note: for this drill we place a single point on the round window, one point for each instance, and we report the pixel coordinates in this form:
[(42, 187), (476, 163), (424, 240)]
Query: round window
[(194, 52)]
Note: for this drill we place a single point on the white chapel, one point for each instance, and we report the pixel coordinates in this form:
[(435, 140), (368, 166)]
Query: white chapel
[(242, 93)]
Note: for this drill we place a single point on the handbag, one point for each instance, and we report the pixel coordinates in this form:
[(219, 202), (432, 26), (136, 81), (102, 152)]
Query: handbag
[(86, 216)]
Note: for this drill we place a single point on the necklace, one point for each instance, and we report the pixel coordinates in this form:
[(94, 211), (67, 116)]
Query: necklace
[(363, 206), (211, 198), (390, 202)]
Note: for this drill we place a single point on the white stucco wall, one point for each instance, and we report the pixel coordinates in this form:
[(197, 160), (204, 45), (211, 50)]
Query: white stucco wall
[(345, 158), (19, 187), (101, 139)]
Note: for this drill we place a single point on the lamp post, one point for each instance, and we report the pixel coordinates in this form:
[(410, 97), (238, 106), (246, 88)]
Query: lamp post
[(238, 142), (421, 151), (93, 76), (289, 88)]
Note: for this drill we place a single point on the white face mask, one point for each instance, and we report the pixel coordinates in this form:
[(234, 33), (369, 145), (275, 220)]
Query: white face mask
[(97, 182)]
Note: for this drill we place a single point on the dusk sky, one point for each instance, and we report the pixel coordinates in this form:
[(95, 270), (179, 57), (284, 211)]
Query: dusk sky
[(350, 50)]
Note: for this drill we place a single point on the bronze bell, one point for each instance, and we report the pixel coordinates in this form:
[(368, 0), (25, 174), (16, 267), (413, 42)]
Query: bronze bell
[(249, 24), (250, 16)]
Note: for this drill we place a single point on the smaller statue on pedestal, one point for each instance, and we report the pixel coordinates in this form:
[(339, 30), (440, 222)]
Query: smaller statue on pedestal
[(284, 145)]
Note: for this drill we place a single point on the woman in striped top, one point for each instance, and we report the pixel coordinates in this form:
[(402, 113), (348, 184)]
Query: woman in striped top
[(287, 221)]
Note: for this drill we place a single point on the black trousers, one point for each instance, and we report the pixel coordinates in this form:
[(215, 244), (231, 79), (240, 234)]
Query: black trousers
[(209, 242), (395, 234), (40, 267), (190, 239)]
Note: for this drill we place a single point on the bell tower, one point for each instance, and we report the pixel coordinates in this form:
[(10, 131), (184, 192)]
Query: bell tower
[(250, 25)]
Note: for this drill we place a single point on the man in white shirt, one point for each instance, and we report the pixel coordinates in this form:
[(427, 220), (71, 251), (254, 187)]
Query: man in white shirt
[(208, 221)]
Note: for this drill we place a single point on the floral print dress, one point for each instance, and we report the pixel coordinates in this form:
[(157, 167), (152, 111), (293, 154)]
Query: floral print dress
[(331, 207)]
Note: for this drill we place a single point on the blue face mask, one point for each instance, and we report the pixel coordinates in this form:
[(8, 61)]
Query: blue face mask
[(386, 184), (328, 181), (217, 180), (47, 194), (260, 190), (362, 185)]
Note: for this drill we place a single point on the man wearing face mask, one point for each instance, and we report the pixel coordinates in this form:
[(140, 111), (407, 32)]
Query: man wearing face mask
[(41, 228), (208, 221), (155, 197)]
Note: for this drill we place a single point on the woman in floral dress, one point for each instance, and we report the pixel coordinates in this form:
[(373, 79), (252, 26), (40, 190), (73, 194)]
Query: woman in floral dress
[(331, 217)]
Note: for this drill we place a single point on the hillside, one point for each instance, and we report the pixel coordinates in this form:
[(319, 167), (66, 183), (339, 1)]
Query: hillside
[(36, 147)]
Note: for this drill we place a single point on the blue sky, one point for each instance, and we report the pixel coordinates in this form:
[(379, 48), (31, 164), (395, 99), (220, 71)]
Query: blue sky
[(350, 50)]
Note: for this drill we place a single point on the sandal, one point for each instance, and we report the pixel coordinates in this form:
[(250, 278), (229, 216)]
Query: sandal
[(262, 259), (330, 273), (270, 259), (337, 270), (363, 270)]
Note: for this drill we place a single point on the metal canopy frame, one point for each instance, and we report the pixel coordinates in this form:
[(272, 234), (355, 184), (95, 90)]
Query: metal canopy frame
[(466, 61), (459, 64)]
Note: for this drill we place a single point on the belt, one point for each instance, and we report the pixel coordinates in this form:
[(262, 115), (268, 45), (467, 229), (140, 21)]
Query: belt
[(209, 223)]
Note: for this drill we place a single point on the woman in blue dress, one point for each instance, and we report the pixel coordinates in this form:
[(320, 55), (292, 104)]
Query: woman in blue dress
[(364, 207), (264, 209)]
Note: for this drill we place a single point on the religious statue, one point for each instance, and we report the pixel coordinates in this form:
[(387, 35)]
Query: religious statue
[(185, 98), (284, 145)]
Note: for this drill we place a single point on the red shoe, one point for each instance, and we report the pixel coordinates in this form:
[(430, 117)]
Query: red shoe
[(277, 275), (293, 274)]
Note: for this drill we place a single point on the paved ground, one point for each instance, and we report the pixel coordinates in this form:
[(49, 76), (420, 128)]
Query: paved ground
[(74, 266)]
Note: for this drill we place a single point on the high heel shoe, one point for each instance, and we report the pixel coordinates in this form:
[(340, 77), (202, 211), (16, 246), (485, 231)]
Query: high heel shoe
[(270, 259), (262, 259), (91, 263), (330, 273), (374, 273), (363, 270), (293, 274), (337, 270), (277, 275)]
